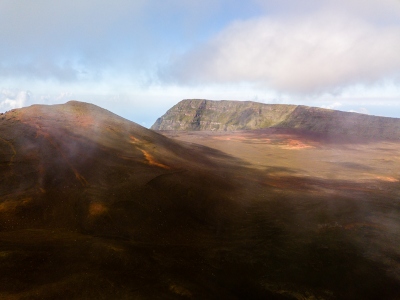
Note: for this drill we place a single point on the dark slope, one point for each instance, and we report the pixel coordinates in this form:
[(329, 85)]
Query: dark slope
[(83, 193), (93, 206), (245, 115)]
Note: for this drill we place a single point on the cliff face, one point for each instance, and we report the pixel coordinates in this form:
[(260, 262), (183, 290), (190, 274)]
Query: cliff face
[(222, 115), (246, 115)]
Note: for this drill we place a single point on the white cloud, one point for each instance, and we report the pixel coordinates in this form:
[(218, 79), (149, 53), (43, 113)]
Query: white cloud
[(10, 99), (335, 105), (63, 96), (316, 53), (361, 110)]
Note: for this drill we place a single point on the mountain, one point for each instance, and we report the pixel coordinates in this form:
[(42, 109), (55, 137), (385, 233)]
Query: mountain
[(245, 115), (81, 187), (93, 206), (77, 166)]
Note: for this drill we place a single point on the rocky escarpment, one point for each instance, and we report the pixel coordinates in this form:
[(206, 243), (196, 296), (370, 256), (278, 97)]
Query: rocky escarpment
[(246, 115), (222, 115)]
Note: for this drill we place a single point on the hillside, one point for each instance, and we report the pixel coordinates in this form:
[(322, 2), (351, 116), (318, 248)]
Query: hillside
[(76, 172), (93, 206), (245, 115), (76, 165)]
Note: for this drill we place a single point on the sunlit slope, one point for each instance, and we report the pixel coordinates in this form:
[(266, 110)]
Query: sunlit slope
[(241, 115)]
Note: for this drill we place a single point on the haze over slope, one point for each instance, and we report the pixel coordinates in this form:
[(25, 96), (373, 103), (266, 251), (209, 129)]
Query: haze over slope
[(199, 114), (64, 160)]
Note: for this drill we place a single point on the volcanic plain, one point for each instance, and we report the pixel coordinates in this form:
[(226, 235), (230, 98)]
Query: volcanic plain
[(93, 206)]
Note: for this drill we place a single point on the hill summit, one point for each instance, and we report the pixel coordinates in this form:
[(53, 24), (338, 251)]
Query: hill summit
[(197, 114)]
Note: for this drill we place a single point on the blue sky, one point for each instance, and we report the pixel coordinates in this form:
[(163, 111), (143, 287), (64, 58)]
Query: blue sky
[(138, 58)]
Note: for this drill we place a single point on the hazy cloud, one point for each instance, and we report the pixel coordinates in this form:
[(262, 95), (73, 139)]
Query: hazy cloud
[(389, 10), (334, 105), (312, 54), (63, 40), (10, 99), (361, 110), (42, 70), (68, 40)]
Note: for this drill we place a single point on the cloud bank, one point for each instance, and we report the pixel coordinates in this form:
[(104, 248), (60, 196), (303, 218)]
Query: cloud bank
[(322, 52)]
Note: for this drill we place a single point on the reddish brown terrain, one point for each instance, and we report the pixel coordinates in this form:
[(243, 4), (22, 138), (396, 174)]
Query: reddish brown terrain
[(93, 206)]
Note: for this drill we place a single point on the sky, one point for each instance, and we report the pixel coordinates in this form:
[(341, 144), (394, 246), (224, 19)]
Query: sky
[(138, 58)]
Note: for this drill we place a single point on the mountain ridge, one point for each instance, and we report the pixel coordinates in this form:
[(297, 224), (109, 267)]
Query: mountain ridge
[(225, 115)]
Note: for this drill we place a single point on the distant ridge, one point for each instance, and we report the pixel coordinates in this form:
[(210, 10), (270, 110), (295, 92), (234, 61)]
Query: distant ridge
[(199, 114)]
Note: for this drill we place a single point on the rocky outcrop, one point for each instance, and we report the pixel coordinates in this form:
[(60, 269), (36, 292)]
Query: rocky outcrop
[(222, 115), (197, 114)]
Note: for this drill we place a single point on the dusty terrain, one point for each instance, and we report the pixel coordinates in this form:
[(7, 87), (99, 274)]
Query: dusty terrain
[(287, 152), (93, 206)]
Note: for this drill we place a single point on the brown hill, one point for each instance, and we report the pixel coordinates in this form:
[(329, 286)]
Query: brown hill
[(71, 165), (81, 186), (244, 115), (93, 206)]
